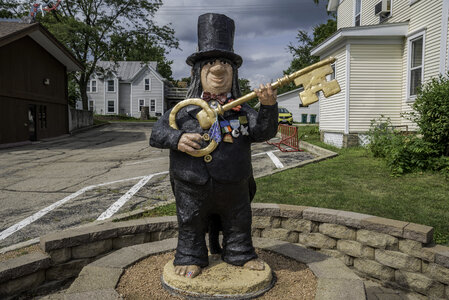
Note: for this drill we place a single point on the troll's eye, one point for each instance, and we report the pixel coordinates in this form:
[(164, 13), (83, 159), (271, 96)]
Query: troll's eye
[(223, 62)]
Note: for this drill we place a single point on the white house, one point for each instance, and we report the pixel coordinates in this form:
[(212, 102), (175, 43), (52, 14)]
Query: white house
[(385, 50), (125, 87), (301, 114)]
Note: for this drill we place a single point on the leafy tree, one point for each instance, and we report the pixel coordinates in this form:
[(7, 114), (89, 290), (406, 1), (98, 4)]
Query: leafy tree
[(141, 47), (245, 87), (301, 52), (101, 30)]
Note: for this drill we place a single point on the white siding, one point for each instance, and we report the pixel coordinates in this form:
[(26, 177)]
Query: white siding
[(98, 97), (124, 98), (332, 109), (368, 17), (376, 80), (345, 13), (155, 92)]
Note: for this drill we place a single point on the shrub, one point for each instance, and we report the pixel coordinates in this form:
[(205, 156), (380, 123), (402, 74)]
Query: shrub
[(432, 113), (404, 153)]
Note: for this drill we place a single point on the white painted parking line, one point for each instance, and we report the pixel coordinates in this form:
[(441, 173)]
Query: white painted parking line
[(16, 227), (144, 161), (263, 153), (275, 160), (120, 202)]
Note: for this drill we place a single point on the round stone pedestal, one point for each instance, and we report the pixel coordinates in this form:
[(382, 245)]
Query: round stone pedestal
[(219, 280)]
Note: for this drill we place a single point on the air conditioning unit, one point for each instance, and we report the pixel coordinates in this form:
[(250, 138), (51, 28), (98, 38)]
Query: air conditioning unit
[(382, 8)]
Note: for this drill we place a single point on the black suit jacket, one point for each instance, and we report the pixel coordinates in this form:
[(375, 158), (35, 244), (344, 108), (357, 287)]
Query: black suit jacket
[(231, 162)]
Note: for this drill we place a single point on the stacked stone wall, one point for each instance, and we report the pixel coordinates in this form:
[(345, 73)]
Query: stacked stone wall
[(394, 252)]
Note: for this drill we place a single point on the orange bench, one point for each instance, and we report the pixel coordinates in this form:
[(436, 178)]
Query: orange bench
[(289, 139)]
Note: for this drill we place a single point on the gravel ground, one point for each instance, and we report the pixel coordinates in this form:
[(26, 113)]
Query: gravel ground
[(19, 252), (294, 280)]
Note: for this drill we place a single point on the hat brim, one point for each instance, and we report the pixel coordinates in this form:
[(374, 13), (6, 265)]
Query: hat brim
[(235, 58)]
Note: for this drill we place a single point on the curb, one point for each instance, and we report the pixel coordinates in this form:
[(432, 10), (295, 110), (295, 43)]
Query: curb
[(335, 280)]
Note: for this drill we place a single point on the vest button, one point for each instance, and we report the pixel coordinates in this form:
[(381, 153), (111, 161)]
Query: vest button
[(208, 158)]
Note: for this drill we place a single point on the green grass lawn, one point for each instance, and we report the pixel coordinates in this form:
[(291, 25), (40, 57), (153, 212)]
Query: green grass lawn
[(356, 181)]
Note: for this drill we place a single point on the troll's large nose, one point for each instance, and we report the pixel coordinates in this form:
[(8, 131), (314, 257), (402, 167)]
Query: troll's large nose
[(217, 69)]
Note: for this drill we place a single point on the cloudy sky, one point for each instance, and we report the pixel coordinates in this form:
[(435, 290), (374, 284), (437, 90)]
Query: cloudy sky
[(264, 28)]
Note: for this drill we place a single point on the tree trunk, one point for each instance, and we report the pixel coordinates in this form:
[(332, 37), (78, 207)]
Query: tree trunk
[(83, 91)]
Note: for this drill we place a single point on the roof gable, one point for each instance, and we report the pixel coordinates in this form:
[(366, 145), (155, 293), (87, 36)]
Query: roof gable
[(12, 31), (129, 70)]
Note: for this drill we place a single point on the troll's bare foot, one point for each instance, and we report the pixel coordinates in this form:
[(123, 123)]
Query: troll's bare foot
[(188, 271), (255, 264)]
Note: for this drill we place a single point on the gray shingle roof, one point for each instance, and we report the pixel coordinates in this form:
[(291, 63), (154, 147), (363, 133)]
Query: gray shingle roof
[(7, 28), (126, 70)]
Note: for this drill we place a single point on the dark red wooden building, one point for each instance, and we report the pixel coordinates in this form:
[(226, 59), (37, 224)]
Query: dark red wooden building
[(33, 83)]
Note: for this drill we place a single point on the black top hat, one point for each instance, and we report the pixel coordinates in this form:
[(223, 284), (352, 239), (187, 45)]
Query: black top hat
[(215, 39)]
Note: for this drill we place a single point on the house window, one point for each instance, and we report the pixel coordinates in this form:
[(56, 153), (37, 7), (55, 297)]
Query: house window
[(358, 5), (93, 86), (332, 75), (147, 84), (416, 56), (88, 87), (111, 86), (141, 104), (111, 106), (153, 105), (91, 105)]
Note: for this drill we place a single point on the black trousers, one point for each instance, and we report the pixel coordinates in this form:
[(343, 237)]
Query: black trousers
[(196, 203)]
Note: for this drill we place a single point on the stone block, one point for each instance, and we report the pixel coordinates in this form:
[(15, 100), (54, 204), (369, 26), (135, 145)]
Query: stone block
[(155, 236), (437, 272), (415, 249), (146, 225), (377, 240), (317, 240), (374, 269), (334, 289), (261, 222), (256, 232), (388, 226), (447, 291), (433, 251), (420, 283), (291, 211), (21, 284), (60, 256), (23, 265), (78, 236), (128, 240), (419, 233), (337, 231), (352, 219), (318, 214), (346, 259), (105, 294), (331, 268), (355, 249), (93, 278), (67, 270), (398, 260), (265, 209), (276, 233), (300, 225), (91, 249), (276, 222)]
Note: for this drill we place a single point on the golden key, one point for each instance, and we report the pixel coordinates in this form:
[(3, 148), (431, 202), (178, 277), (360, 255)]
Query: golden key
[(312, 78)]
